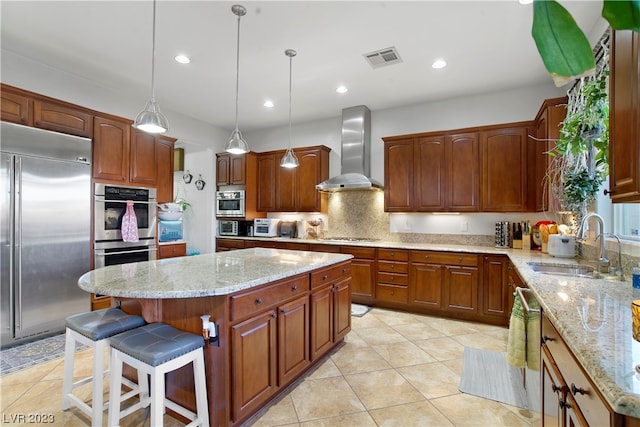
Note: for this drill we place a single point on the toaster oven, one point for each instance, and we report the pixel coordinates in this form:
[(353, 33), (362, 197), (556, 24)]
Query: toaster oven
[(265, 227)]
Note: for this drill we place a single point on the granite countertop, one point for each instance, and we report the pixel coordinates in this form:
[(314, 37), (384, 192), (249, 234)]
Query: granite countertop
[(592, 315), (219, 273)]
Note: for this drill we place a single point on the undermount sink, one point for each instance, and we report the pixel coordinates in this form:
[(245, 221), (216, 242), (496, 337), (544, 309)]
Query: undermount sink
[(573, 270)]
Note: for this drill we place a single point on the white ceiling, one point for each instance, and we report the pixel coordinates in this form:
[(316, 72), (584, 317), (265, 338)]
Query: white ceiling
[(487, 44)]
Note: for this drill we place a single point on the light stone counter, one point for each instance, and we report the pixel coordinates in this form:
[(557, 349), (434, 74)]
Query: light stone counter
[(203, 275), (592, 315)]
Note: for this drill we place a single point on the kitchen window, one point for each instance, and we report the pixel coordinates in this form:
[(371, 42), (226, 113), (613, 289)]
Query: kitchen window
[(626, 220)]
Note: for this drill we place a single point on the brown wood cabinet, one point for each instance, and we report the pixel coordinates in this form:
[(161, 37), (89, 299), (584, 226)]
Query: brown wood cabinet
[(172, 250), (143, 158), (495, 286), (292, 190), (111, 139), (62, 117), (230, 169), (30, 109), (166, 160), (568, 394), (398, 175), (548, 124), (267, 167), (223, 244), (392, 287), (444, 281), (363, 273), (624, 117), (16, 107), (503, 153), (330, 307), (513, 281)]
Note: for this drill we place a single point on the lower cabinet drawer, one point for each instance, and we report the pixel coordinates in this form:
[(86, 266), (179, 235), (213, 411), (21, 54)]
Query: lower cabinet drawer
[(393, 279), (331, 274), (392, 293), (590, 404), (249, 303)]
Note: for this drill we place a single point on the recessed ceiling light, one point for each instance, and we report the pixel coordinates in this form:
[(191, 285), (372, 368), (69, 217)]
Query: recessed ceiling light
[(268, 103), (183, 59), (439, 63), (341, 89)]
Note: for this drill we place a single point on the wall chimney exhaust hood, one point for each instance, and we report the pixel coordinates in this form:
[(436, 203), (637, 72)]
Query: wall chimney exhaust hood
[(356, 153)]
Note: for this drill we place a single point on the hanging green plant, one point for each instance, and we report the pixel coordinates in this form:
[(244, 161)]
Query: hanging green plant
[(562, 45), (580, 189)]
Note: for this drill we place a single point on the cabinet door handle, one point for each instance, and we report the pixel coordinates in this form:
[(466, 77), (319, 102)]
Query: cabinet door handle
[(344, 270), (575, 390), (258, 300), (274, 315), (546, 338), (283, 311), (325, 277), (337, 287), (555, 388), (294, 288)]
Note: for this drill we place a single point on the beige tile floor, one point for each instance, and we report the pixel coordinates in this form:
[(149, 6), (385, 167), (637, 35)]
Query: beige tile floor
[(396, 369)]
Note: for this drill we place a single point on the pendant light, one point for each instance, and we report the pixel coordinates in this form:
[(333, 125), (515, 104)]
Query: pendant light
[(289, 160), (151, 119), (236, 144)]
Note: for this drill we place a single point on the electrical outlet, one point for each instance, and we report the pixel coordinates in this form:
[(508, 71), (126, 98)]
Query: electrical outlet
[(464, 226)]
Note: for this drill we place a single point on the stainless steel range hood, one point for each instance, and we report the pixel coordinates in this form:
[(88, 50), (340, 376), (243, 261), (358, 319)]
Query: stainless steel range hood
[(356, 153)]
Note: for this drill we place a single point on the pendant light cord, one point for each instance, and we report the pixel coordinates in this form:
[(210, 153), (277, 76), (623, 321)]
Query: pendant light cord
[(153, 54), (290, 68), (237, 72)]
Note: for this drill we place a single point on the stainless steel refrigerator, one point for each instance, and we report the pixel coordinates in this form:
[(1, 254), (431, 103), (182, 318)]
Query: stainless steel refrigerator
[(45, 228)]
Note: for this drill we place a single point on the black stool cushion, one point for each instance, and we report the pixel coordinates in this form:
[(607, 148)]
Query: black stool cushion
[(101, 324), (156, 343)]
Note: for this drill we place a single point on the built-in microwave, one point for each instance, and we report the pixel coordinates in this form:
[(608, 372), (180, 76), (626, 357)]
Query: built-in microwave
[(230, 203)]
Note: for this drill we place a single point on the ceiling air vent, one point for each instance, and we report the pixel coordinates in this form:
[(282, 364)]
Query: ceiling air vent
[(383, 57)]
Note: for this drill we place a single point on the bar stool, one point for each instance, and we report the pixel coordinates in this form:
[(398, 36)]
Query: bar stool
[(156, 349), (94, 329)]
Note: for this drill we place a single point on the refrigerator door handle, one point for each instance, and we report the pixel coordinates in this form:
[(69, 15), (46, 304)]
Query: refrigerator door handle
[(11, 237), (17, 241)]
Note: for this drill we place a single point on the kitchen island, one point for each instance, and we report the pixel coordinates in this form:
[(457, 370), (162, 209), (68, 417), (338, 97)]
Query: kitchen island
[(277, 312)]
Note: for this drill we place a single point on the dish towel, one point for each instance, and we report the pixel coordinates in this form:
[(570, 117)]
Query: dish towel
[(129, 224), (523, 346)]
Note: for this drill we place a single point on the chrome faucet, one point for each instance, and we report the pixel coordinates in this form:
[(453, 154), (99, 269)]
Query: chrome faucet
[(602, 262), (619, 270)]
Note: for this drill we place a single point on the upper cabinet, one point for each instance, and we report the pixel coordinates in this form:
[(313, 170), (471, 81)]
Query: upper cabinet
[(16, 107), (439, 173), (230, 169), (503, 152), (624, 119), (548, 124), (29, 109), (111, 139), (292, 190)]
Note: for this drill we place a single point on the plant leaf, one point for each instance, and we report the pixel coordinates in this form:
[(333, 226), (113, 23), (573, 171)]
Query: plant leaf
[(622, 14), (564, 48)]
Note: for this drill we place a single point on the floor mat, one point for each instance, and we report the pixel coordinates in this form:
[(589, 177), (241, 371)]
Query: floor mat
[(487, 374), (359, 310), (27, 355)]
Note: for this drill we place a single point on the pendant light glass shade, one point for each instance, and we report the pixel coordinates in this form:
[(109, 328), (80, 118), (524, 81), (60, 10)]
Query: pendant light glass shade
[(289, 160), (236, 144), (150, 119)]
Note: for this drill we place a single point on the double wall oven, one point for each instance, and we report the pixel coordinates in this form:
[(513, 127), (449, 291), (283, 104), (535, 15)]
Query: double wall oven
[(110, 206)]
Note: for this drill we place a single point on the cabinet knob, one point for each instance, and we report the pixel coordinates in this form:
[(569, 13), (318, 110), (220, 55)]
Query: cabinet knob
[(577, 390), (344, 270), (337, 287), (294, 288), (274, 315), (564, 404), (459, 259), (325, 277), (486, 258), (426, 257), (258, 300), (283, 311), (393, 266), (546, 339), (555, 388), (607, 192)]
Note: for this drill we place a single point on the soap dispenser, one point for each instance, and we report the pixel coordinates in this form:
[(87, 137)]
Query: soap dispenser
[(636, 276)]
